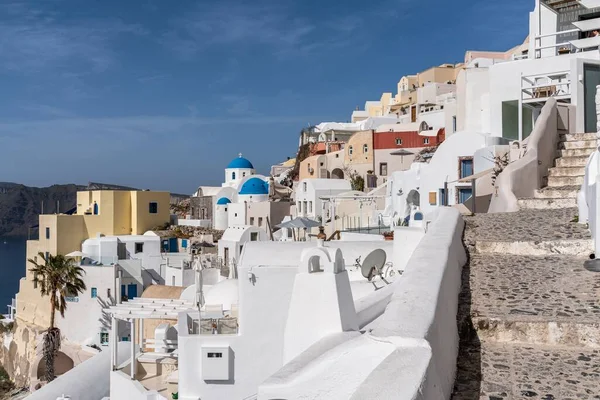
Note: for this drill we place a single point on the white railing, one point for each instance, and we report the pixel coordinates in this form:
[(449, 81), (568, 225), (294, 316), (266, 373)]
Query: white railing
[(540, 87), (538, 47)]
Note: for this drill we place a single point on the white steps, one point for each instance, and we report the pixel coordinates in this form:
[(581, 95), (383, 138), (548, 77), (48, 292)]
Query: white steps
[(554, 181), (564, 192), (546, 203), (572, 161), (575, 152), (566, 171), (574, 137), (578, 144)]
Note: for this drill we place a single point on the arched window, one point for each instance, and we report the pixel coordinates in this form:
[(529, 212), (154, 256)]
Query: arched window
[(233, 176), (350, 150), (365, 148)]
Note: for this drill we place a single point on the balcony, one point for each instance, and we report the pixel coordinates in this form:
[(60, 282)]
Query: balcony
[(541, 87)]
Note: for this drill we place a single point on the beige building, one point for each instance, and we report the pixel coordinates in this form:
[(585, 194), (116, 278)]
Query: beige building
[(445, 73), (104, 212)]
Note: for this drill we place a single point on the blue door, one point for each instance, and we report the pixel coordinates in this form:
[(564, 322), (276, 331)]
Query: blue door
[(131, 291), (95, 208), (464, 194), (123, 290), (466, 168), (173, 245)]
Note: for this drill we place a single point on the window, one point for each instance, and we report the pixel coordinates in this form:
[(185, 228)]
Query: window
[(251, 220), (104, 338), (233, 176), (398, 141), (454, 124), (47, 233), (215, 355), (94, 293), (253, 236), (322, 164), (304, 186), (350, 150), (260, 221), (139, 248), (426, 140), (466, 167), (108, 293), (464, 194), (299, 207), (243, 174), (432, 198), (310, 206), (337, 156), (443, 199), (365, 148), (153, 207), (173, 280), (305, 206), (383, 169), (235, 215)]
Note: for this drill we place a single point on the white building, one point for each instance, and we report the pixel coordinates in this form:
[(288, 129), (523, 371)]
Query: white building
[(233, 241), (310, 191)]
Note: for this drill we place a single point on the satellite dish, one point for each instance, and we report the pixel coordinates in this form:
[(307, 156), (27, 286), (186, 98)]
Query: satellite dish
[(373, 264)]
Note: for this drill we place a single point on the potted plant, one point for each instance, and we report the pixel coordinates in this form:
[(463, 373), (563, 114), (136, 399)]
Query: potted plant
[(388, 235), (564, 50)]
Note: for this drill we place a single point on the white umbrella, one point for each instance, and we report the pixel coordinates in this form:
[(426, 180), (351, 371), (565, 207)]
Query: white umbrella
[(77, 254)]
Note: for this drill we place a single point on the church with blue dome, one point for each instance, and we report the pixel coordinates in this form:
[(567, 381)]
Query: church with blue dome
[(229, 204)]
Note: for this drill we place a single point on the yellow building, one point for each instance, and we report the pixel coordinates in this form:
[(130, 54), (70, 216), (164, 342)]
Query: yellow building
[(103, 212), (443, 74)]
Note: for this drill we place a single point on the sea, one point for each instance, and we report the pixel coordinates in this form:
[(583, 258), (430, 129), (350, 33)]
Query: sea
[(12, 268)]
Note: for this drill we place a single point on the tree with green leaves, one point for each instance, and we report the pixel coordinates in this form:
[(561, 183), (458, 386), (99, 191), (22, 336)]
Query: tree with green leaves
[(57, 277)]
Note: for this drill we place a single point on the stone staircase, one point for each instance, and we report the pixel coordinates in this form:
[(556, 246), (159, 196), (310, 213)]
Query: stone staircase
[(566, 177), (529, 313)]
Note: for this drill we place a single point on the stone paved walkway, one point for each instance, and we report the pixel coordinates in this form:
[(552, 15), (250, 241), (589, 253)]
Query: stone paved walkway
[(529, 325), (528, 225)]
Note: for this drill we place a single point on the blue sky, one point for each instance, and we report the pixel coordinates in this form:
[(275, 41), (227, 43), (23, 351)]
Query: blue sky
[(163, 94)]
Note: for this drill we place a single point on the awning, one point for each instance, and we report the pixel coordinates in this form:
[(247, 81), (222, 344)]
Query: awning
[(590, 3), (588, 24), (401, 152), (475, 176), (586, 43)]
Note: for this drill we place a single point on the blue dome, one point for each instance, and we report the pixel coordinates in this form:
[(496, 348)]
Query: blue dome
[(255, 186), (241, 163), (223, 201)]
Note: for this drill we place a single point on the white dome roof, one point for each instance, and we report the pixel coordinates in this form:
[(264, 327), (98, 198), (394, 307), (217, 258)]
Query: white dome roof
[(225, 292)]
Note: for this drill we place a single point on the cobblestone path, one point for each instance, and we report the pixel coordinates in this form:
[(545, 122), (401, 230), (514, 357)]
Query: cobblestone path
[(529, 325)]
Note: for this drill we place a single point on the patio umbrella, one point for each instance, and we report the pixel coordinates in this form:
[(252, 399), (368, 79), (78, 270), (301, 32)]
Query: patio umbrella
[(401, 153), (76, 254), (300, 222)]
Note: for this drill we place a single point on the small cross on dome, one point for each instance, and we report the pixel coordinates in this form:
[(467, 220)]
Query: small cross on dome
[(240, 155)]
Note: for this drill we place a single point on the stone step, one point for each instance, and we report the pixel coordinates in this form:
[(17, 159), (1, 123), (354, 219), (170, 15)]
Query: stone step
[(573, 247), (542, 204), (567, 171), (564, 192), (555, 181), (505, 371), (578, 144), (572, 161), (574, 137), (575, 152)]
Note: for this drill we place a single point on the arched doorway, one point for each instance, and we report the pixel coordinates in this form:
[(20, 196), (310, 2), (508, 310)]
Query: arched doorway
[(62, 364), (337, 174)]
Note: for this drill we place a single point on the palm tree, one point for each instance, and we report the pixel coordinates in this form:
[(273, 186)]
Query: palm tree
[(57, 277)]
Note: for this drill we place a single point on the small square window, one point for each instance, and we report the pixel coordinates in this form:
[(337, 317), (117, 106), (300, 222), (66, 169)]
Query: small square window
[(94, 293), (153, 207), (139, 248), (104, 338), (251, 220), (426, 141), (398, 142), (215, 355), (253, 236), (322, 164), (260, 221)]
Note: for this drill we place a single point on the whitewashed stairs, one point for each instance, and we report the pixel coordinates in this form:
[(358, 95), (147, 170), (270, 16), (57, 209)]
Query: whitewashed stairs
[(566, 177)]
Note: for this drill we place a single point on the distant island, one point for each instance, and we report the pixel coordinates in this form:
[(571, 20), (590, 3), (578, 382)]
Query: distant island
[(20, 205)]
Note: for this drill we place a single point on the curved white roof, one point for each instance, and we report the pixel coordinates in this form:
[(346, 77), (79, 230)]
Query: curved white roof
[(235, 233), (225, 292)]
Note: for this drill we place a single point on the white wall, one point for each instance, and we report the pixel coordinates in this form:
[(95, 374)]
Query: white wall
[(200, 223), (89, 380), (435, 119), (85, 317), (236, 214), (123, 388), (472, 97), (408, 353), (177, 276)]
